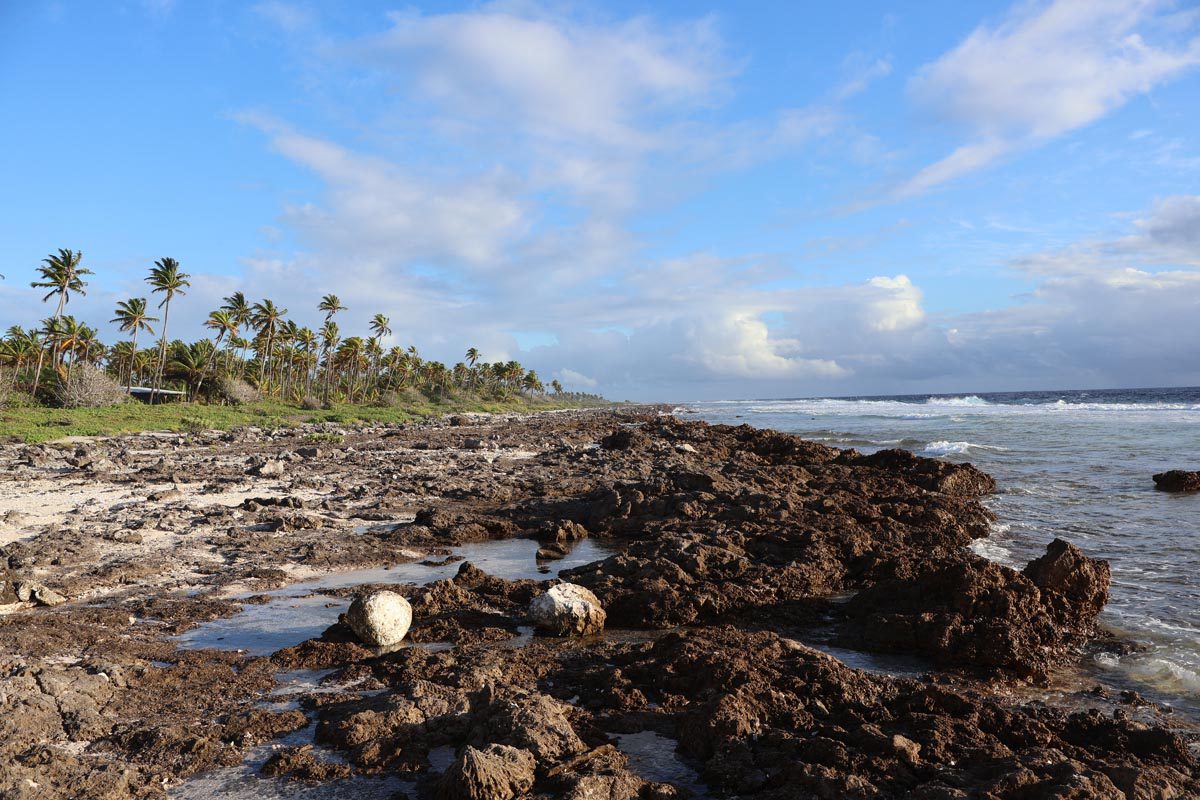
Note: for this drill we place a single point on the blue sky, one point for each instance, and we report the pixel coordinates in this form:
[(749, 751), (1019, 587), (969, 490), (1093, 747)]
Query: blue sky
[(659, 201)]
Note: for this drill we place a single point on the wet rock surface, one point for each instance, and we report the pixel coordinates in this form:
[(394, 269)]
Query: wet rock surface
[(729, 546), (1177, 480)]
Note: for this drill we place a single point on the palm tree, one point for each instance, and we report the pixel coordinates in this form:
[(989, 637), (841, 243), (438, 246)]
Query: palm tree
[(331, 305), (239, 310), (222, 323), (531, 383), (307, 339), (266, 318), (380, 327), (61, 274), (351, 355), (329, 340), (556, 386), (131, 317), (189, 361), (165, 277)]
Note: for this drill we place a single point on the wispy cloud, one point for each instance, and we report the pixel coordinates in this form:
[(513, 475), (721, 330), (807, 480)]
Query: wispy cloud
[(859, 71), (1045, 70)]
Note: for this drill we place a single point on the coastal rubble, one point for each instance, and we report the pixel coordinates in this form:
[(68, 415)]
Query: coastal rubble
[(730, 548)]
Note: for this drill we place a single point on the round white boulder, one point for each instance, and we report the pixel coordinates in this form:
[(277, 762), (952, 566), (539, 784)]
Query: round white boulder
[(567, 609), (380, 618)]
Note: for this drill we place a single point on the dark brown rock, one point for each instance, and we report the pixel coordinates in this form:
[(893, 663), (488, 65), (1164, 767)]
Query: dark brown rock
[(497, 772), (1177, 480)]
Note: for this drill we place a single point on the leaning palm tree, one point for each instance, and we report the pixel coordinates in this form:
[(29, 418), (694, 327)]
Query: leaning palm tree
[(266, 317), (380, 327), (329, 341), (241, 313), (165, 277), (131, 317), (61, 274), (221, 322)]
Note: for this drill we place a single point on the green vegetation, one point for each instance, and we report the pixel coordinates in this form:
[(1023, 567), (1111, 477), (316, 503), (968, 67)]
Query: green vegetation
[(41, 424), (258, 364)]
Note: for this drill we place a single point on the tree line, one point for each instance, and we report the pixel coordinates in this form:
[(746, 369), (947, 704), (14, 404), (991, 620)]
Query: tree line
[(252, 344)]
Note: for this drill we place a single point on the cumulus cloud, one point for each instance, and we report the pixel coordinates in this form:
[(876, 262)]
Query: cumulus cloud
[(1045, 70)]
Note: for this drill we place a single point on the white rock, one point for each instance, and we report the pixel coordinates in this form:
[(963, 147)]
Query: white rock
[(567, 609), (380, 618)]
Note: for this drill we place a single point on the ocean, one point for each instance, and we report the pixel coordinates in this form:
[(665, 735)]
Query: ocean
[(1069, 464)]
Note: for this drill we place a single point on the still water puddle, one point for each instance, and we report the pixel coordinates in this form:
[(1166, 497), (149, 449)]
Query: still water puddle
[(297, 612), (243, 782), (653, 757)]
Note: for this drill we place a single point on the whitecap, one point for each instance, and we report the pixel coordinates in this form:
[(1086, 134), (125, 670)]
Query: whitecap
[(944, 447), (968, 400)]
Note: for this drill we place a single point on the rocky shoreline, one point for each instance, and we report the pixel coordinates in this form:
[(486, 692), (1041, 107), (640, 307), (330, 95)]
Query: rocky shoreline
[(727, 553)]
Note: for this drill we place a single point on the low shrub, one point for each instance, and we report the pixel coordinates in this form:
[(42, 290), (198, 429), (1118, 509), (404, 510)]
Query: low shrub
[(310, 403), (88, 387), (235, 391)]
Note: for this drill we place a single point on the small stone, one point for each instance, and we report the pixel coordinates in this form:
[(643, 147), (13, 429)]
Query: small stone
[(45, 596), (567, 609), (906, 749), (380, 618), (271, 468), (309, 452), (29, 591), (684, 448), (550, 552)]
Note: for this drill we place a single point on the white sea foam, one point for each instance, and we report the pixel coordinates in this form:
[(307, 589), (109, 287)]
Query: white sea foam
[(992, 551), (1163, 674), (957, 408), (969, 400), (943, 447)]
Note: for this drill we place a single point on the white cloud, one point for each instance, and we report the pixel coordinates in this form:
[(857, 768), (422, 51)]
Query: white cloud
[(1045, 70), (288, 16), (379, 212), (576, 381), (860, 71), (555, 77)]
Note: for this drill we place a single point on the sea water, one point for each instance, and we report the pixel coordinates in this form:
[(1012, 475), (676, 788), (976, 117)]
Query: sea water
[(1069, 464)]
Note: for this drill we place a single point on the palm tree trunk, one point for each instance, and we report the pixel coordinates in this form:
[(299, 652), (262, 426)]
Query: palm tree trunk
[(132, 361), (262, 368), (37, 376), (162, 351)]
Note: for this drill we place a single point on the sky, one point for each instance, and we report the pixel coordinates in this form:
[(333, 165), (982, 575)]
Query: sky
[(658, 201)]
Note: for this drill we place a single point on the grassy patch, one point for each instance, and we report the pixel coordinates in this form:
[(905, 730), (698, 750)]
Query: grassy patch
[(35, 424)]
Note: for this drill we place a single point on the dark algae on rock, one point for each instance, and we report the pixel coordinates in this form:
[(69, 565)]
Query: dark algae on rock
[(728, 553)]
